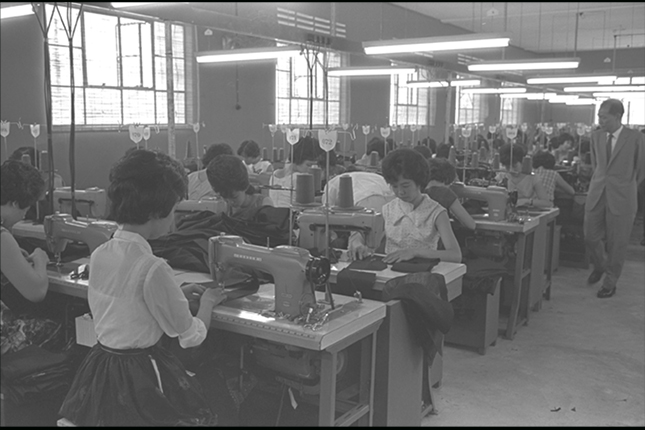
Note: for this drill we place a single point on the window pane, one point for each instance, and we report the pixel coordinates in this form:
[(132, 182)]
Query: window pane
[(283, 84), (179, 82), (160, 74), (282, 116), (60, 67), (180, 108), (138, 107), (103, 106), (299, 111), (160, 41), (63, 26), (146, 49), (61, 106), (101, 50), (162, 108), (177, 41)]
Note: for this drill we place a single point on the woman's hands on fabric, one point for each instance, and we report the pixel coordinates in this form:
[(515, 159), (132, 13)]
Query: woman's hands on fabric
[(38, 258), (214, 295), (359, 251), (193, 291), (401, 255)]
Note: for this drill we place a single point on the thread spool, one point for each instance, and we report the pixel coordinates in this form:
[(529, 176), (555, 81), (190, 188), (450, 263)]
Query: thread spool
[(305, 193), (496, 161), (345, 192), (474, 161), (373, 158), (317, 172), (275, 155), (587, 158), (265, 154), (482, 153), (452, 156), (44, 161), (527, 167), (281, 154)]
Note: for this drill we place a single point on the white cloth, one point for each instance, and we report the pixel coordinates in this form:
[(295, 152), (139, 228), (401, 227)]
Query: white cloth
[(134, 297), (406, 227), (261, 166), (198, 186), (364, 185), (282, 199)]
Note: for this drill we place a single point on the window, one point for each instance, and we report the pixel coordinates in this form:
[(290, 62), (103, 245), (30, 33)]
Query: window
[(119, 70), (509, 111), (293, 96), (409, 106), (468, 108), (634, 105)]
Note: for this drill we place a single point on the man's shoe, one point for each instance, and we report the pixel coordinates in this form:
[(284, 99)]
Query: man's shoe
[(604, 293), (594, 277)]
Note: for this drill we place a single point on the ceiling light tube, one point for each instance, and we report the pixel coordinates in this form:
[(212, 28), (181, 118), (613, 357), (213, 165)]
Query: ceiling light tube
[(569, 79), (370, 71), (617, 95), (15, 11), (581, 102), (608, 88), (465, 83), (538, 64), (493, 90), (251, 54), (638, 80), (427, 84), (434, 44), (124, 4)]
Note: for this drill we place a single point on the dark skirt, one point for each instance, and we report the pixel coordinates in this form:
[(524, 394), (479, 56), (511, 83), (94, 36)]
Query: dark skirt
[(138, 387)]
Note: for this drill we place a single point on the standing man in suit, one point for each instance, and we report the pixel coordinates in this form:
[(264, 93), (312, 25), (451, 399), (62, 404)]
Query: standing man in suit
[(618, 160)]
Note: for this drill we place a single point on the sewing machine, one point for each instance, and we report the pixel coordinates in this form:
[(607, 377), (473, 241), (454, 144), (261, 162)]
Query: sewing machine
[(312, 226), (62, 228), (497, 198), (295, 272), (91, 202), (212, 204)]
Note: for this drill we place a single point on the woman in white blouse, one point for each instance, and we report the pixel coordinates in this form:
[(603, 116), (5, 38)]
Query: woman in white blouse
[(128, 378), (414, 222)]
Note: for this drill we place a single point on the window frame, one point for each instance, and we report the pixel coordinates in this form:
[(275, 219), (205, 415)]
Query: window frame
[(415, 97)]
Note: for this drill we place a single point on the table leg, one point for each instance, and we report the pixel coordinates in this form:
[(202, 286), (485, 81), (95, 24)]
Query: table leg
[(517, 287), (327, 407)]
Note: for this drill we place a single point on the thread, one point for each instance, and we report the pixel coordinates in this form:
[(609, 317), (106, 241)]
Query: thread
[(317, 172), (305, 188), (345, 192), (374, 159), (475, 160), (452, 156), (265, 154), (527, 167), (496, 161), (275, 155)]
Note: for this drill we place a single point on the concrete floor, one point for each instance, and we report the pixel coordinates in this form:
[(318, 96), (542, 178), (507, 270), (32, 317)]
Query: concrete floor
[(579, 362)]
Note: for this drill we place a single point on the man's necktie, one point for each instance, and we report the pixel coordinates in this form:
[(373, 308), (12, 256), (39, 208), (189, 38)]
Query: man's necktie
[(609, 138)]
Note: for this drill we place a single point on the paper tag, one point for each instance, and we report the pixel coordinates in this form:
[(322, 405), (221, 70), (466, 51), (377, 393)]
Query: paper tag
[(196, 127), (466, 131), (273, 128), (548, 130), (385, 131), (524, 127), (492, 129), (284, 129), (136, 133), (345, 126), (4, 128), (146, 133), (35, 130), (293, 136), (511, 132), (327, 139), (366, 129), (413, 127), (581, 130)]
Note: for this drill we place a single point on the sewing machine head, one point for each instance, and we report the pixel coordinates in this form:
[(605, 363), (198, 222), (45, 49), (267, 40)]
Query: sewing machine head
[(496, 198), (91, 202), (62, 228), (213, 204), (312, 226), (295, 272)]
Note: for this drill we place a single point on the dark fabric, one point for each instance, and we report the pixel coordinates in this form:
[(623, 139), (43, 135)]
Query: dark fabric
[(29, 360), (425, 302), (442, 195), (374, 263), (349, 281), (120, 388), (417, 264), (482, 275)]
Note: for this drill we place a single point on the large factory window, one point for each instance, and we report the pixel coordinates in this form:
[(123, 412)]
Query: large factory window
[(408, 105), (468, 108), (119, 69), (510, 111), (300, 84)]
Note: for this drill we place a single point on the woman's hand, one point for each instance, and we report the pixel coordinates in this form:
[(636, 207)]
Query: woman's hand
[(38, 258), (359, 251), (215, 296), (193, 291), (402, 255)]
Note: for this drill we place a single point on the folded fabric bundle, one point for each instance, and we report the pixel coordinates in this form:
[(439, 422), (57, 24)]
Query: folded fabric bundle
[(417, 264), (373, 262), (349, 281)]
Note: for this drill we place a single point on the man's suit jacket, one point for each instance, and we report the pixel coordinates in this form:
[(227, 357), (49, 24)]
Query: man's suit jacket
[(620, 177)]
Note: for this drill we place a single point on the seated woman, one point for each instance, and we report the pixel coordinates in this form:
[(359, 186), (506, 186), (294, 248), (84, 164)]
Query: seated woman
[(414, 223), (198, 186), (249, 150), (229, 178), (543, 165), (442, 174), (530, 191), (305, 154), (23, 276)]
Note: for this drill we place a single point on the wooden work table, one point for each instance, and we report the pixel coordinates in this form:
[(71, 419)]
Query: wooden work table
[(351, 322)]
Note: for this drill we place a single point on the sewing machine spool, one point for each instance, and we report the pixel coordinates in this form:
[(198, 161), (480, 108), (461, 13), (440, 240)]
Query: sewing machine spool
[(265, 153), (475, 160), (374, 159), (317, 172), (527, 167), (281, 156), (275, 155), (345, 192), (305, 193), (496, 161), (452, 156)]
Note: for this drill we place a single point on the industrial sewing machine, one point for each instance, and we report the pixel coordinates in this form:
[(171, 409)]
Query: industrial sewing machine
[(63, 228), (312, 224), (295, 272), (91, 202), (212, 204), (500, 203)]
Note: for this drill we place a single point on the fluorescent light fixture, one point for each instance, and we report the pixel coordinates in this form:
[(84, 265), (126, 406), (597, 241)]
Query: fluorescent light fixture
[(570, 79), (618, 95), (124, 4), (15, 11), (433, 44), (539, 64), (581, 102), (540, 96), (638, 80), (443, 84), (562, 99), (493, 90), (607, 88), (251, 54), (370, 71)]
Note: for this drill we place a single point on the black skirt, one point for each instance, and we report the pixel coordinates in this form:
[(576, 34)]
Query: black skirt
[(138, 387)]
